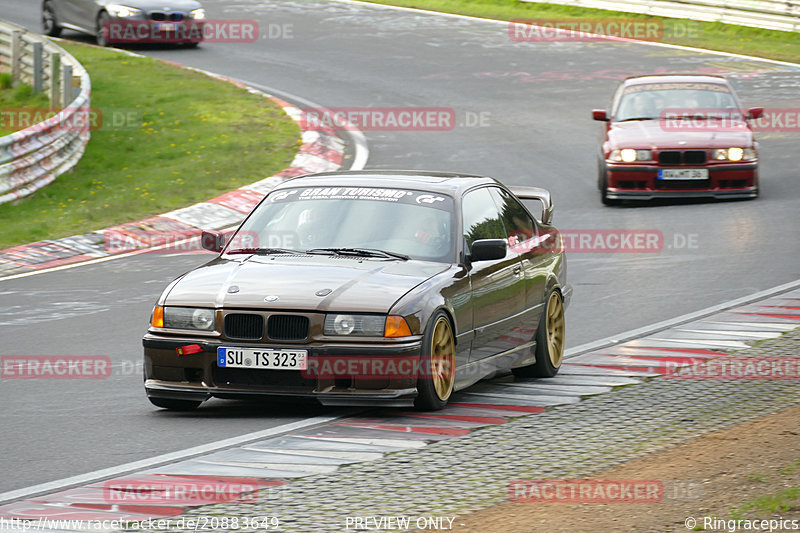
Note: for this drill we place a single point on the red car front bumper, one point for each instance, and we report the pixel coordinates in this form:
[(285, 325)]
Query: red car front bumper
[(641, 182)]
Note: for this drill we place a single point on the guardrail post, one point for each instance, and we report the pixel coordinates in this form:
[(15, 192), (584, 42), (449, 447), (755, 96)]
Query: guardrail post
[(55, 79), (67, 86), (38, 67), (16, 55)]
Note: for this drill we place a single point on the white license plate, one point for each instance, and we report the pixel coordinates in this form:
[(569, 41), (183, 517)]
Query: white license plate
[(266, 358), (166, 26), (683, 173)]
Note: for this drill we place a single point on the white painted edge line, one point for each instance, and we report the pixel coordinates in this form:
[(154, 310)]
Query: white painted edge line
[(610, 38), (167, 458), (689, 317), (357, 137), (361, 155)]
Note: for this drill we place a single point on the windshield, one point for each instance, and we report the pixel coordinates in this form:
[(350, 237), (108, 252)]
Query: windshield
[(656, 100), (352, 221)]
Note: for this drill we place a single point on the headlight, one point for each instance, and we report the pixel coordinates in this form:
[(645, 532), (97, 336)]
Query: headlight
[(189, 318), (119, 11), (198, 14), (355, 325), (734, 154), (629, 155)]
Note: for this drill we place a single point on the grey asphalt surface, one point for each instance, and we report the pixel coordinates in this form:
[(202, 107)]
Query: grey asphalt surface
[(535, 100)]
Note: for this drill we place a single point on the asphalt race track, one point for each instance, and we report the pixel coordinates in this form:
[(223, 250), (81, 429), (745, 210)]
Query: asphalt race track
[(532, 103)]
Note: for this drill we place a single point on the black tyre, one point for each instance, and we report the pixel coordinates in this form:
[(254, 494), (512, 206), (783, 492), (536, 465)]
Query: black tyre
[(550, 338), (438, 363), (102, 29), (175, 405), (604, 192), (49, 20)]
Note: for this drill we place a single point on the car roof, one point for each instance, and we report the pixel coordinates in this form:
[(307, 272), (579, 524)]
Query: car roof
[(451, 183), (676, 78)]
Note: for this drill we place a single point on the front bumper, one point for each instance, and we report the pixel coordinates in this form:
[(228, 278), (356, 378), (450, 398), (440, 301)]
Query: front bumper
[(197, 376), (640, 182)]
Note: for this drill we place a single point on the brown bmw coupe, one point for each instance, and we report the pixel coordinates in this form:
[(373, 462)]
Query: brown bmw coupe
[(390, 288)]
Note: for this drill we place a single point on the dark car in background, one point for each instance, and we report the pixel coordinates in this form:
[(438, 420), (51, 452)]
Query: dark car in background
[(391, 288), (674, 136), (127, 21)]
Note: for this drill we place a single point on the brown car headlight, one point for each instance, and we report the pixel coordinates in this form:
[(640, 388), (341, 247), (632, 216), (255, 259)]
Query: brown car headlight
[(189, 318), (354, 325)]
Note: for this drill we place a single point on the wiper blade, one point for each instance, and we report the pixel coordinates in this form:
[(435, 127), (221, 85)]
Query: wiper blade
[(364, 252), (262, 251), (636, 118)]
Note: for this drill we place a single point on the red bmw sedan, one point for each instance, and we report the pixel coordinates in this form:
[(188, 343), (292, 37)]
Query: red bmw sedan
[(677, 135)]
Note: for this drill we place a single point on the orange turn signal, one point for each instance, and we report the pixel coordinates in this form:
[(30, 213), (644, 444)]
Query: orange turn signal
[(396, 327), (158, 317)]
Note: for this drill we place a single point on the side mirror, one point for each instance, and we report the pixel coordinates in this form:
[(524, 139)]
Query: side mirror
[(600, 114), (755, 112), (213, 241), (488, 249)]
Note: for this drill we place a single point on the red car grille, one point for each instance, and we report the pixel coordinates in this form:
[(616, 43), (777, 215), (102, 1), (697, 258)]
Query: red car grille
[(682, 184), (682, 157)]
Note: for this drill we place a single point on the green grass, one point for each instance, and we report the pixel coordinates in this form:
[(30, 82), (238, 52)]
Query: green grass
[(170, 138), (780, 501), (11, 98), (712, 35)]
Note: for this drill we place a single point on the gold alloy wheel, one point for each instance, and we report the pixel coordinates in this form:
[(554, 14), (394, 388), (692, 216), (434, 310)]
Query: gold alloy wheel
[(443, 350), (555, 329)]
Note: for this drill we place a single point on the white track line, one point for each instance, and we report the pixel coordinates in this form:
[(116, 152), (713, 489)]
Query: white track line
[(116, 471), (689, 317), (361, 154), (610, 38)]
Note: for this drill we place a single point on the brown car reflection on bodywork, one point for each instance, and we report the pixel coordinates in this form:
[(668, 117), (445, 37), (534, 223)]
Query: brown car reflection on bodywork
[(399, 288)]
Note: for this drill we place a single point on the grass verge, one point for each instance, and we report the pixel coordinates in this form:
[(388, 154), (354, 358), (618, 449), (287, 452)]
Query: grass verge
[(730, 38), (21, 96), (169, 138)]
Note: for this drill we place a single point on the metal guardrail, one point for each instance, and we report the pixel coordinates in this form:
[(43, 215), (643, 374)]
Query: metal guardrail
[(34, 157), (781, 15)]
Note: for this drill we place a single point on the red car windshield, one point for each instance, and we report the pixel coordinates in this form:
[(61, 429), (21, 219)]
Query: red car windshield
[(652, 101)]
